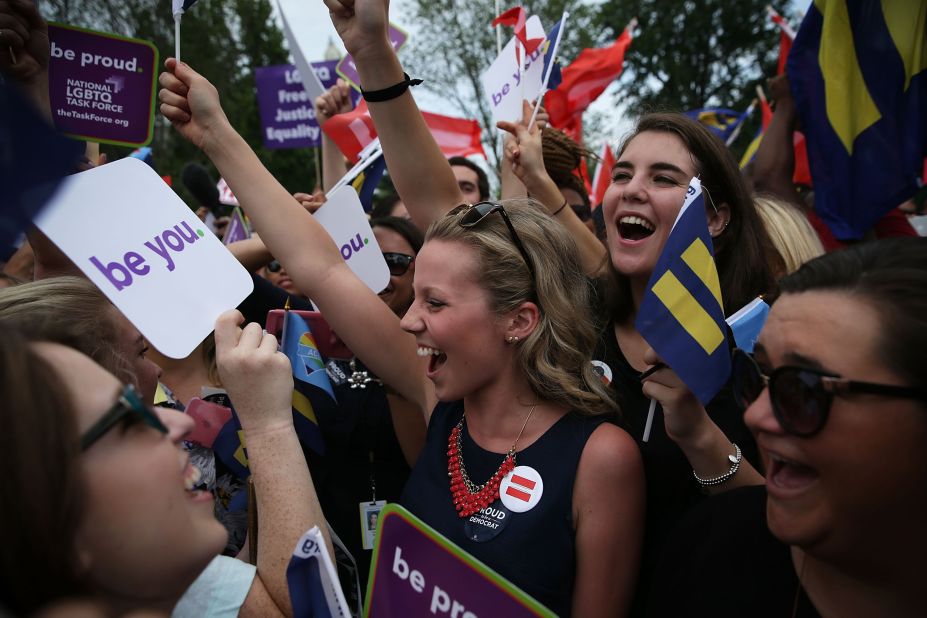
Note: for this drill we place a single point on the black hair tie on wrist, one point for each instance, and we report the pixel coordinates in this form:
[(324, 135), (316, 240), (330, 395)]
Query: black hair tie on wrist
[(387, 94)]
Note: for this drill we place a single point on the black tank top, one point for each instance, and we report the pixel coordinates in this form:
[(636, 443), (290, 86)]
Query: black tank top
[(534, 549)]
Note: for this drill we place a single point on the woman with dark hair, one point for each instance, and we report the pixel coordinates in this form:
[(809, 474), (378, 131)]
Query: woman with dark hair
[(102, 501), (837, 398), (496, 327)]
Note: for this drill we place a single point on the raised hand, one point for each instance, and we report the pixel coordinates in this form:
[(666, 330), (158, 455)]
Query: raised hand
[(191, 103), (361, 24), (523, 151), (336, 100), (257, 376), (23, 38), (683, 414)]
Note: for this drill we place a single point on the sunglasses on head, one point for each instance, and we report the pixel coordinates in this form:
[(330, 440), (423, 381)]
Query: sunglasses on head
[(128, 406), (801, 398), (274, 267), (398, 263), (471, 215)]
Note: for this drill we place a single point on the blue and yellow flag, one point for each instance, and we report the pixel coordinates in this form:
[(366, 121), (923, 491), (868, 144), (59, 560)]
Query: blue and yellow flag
[(857, 71), (229, 446), (365, 183), (309, 377), (681, 315), (722, 122)]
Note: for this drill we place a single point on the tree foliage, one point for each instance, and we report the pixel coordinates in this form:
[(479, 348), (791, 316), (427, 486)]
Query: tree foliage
[(456, 43), (225, 40)]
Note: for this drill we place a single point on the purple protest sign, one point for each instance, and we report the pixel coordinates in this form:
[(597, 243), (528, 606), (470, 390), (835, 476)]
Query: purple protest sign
[(415, 571), (348, 70), (101, 85), (287, 113)]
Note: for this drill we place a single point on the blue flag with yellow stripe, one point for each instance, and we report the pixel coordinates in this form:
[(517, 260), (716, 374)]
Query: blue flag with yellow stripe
[(722, 122), (681, 315), (857, 71), (309, 379), (366, 182)]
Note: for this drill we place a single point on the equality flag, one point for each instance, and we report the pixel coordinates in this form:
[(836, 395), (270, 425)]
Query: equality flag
[(857, 71), (309, 378), (603, 175), (312, 580), (229, 446), (750, 152), (34, 158), (584, 80), (721, 121), (517, 18), (681, 315), (366, 182), (550, 60)]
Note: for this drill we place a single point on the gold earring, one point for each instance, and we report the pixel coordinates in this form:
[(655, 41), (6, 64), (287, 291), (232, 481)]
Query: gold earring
[(512, 339)]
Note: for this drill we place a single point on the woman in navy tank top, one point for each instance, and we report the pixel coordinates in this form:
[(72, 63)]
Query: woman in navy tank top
[(518, 467)]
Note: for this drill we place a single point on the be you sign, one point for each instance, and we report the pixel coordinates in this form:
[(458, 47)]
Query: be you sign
[(151, 256)]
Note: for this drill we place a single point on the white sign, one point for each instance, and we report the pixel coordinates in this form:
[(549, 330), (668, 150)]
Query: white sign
[(503, 83), (298, 26), (146, 250), (344, 219), (521, 489)]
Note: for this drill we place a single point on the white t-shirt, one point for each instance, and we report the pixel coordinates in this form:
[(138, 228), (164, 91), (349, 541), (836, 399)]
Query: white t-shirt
[(218, 592)]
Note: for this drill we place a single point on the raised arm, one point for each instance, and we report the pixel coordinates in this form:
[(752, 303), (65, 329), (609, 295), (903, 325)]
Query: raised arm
[(260, 382), (417, 166), (24, 52), (526, 158), (774, 164), (335, 100), (191, 103)]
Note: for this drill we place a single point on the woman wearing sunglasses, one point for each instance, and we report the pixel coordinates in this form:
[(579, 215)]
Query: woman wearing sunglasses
[(837, 396), (500, 327), (103, 500)]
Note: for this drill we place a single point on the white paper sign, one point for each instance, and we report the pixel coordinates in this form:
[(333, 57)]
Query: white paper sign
[(146, 250), (300, 35), (344, 219), (503, 84)]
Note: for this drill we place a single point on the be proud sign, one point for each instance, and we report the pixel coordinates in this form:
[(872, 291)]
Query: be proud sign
[(147, 251)]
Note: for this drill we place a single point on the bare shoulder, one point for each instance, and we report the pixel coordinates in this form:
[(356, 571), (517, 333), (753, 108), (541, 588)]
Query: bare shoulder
[(610, 451)]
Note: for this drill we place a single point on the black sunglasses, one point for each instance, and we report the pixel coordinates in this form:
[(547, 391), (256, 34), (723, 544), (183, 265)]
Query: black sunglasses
[(801, 397), (398, 263), (474, 214), (274, 267), (129, 404)]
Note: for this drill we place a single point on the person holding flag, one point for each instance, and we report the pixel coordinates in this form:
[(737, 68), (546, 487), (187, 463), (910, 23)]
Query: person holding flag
[(692, 450), (497, 332)]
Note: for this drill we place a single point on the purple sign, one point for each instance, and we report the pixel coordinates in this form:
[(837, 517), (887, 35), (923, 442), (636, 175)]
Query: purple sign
[(101, 85), (287, 111), (348, 70), (416, 571)]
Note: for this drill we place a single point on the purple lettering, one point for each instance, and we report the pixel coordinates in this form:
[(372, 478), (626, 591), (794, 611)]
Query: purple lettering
[(169, 235), (192, 238), (162, 251), (114, 267), (136, 263), (356, 243), (346, 251)]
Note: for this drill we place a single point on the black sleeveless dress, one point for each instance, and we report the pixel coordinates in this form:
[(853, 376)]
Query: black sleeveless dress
[(533, 549)]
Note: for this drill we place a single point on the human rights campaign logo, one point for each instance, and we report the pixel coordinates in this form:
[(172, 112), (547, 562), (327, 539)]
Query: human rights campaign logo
[(682, 315)]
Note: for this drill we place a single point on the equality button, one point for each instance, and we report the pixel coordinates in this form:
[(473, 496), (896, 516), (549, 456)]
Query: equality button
[(521, 489), (603, 371)]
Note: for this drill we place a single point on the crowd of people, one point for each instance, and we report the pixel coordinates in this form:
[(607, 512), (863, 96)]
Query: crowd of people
[(505, 340)]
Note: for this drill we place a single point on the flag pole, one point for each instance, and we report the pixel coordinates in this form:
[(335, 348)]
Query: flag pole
[(177, 36), (736, 131), (498, 33), (550, 69), (653, 407)]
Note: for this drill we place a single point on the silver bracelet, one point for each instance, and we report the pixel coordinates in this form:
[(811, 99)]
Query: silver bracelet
[(735, 460)]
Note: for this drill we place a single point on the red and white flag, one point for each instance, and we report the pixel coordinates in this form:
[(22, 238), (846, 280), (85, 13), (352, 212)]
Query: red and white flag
[(786, 37), (584, 80), (517, 18), (353, 131), (603, 175)]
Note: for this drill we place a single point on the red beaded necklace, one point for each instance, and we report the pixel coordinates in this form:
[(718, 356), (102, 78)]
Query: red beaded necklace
[(468, 497)]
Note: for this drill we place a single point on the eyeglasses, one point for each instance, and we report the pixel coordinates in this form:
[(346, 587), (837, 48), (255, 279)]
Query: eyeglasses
[(398, 263), (274, 267), (800, 397), (129, 405), (475, 213)]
